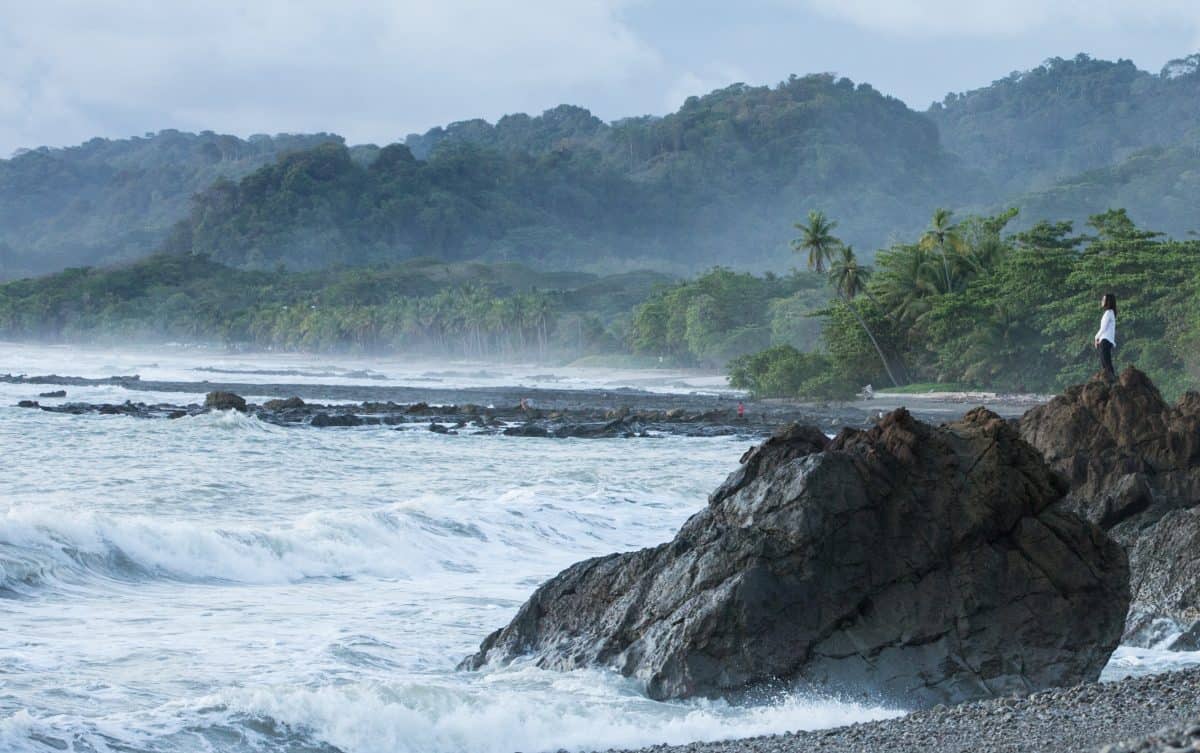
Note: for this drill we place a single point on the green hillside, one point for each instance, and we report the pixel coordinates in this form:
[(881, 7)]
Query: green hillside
[(716, 182), (1035, 127), (108, 200), (1159, 184)]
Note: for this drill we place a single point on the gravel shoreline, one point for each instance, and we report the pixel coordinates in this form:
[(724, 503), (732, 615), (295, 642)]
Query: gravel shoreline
[(1181, 737), (1148, 712)]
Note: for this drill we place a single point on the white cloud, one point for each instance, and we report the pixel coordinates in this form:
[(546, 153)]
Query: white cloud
[(72, 69), (931, 18), (693, 83), (374, 70)]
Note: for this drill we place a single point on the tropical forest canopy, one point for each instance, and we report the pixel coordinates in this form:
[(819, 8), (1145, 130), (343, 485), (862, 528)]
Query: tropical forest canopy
[(466, 310), (702, 186), (969, 301), (717, 182), (973, 303), (110, 200), (1033, 128), (965, 245)]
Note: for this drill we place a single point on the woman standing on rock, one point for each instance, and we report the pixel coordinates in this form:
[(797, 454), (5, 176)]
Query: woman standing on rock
[(1106, 338)]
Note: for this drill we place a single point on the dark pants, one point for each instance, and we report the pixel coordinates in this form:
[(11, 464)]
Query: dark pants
[(1106, 363)]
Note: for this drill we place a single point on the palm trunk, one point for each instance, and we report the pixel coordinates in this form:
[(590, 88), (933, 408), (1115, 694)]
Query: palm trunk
[(879, 350), (879, 306), (903, 369), (945, 267)]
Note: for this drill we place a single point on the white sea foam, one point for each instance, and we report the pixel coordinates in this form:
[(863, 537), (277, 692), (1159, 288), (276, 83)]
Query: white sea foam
[(198, 364), (1133, 661), (216, 583), (538, 711), (393, 542)]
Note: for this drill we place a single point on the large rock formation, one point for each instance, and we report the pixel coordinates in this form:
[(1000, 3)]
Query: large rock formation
[(916, 564), (1133, 463)]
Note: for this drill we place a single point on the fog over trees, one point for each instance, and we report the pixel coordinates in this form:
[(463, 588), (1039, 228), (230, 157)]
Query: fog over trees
[(719, 181), (811, 237)]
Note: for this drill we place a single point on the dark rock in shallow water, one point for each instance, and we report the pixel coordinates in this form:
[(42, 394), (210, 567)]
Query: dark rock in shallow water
[(290, 403), (337, 419), (224, 401), (28, 404), (526, 430), (1133, 463), (53, 393), (918, 564), (616, 428)]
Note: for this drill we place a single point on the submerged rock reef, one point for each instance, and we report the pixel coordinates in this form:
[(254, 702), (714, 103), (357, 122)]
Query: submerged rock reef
[(919, 565), (1133, 463)]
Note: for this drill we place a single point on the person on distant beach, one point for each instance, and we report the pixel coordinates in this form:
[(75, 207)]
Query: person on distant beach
[(741, 410), (1106, 337)]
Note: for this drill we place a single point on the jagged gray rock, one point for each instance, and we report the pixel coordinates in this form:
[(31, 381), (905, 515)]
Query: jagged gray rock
[(1133, 463), (291, 403), (918, 564), (220, 400)]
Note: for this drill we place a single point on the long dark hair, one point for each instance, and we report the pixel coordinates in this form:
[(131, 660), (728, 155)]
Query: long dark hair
[(1109, 301)]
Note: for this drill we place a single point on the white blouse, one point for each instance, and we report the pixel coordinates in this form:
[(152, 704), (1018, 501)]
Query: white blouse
[(1108, 327)]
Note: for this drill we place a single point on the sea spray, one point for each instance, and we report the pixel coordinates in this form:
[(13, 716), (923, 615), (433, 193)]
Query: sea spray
[(219, 584), (524, 709)]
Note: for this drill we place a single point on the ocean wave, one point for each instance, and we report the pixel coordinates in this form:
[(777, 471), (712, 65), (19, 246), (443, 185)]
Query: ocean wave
[(229, 420), (530, 529), (525, 709), (1134, 661), (43, 545)]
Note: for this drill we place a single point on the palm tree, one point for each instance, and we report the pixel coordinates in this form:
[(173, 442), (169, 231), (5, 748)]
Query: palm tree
[(945, 238), (501, 315), (849, 280), (816, 237), (536, 310), (993, 349), (906, 280)]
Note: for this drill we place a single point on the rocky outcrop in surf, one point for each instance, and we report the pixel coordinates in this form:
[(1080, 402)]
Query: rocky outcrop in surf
[(917, 564), (220, 400), (512, 421), (1133, 463)]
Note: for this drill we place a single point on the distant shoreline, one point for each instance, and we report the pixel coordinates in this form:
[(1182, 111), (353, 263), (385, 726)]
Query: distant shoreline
[(760, 415)]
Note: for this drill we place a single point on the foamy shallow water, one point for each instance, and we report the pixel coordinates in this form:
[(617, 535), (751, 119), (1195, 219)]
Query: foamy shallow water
[(197, 364), (217, 583)]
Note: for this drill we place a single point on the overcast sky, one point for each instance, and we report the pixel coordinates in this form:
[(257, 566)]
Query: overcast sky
[(375, 71)]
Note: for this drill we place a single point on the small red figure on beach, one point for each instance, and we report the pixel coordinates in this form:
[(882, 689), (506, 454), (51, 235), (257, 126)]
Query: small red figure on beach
[(741, 410)]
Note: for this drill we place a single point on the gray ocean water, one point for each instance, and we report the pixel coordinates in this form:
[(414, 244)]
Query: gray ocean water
[(219, 584)]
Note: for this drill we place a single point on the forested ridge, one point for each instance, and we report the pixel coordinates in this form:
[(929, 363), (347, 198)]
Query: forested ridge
[(964, 245), (702, 186), (713, 183), (1068, 116), (109, 200)]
